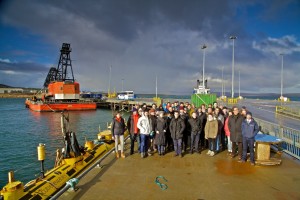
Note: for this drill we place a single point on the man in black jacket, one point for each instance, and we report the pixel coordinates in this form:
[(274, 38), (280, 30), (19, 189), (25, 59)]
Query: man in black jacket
[(235, 127), (186, 133), (177, 127), (195, 126)]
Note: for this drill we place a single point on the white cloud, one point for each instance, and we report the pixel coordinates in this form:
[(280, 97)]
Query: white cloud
[(5, 60), (287, 45), (10, 72)]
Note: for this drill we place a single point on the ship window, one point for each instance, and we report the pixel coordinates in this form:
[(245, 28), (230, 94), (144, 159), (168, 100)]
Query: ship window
[(61, 88)]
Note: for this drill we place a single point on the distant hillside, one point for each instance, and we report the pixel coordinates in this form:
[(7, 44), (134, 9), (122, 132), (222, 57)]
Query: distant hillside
[(4, 86)]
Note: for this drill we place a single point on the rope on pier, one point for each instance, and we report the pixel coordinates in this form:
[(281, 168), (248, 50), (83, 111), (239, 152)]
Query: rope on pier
[(161, 185)]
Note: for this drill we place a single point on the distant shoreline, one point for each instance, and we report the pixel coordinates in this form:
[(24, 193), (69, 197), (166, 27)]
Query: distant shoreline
[(16, 95)]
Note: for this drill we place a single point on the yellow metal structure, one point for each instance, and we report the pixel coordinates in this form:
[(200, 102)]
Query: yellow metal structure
[(111, 95), (89, 145), (157, 100), (56, 178), (106, 135), (41, 152), (232, 100)]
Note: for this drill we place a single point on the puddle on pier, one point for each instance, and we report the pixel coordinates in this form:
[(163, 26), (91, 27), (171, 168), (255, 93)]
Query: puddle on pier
[(232, 167)]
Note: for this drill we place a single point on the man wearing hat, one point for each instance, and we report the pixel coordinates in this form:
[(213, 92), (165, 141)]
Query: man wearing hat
[(133, 129), (249, 130)]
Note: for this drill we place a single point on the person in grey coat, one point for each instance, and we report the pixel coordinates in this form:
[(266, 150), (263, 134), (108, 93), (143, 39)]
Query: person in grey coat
[(160, 136), (235, 127), (177, 127)]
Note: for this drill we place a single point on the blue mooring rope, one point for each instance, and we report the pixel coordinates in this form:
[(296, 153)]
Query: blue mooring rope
[(73, 182), (161, 185)]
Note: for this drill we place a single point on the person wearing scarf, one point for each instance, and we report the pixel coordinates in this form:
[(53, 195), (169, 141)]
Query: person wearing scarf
[(117, 130)]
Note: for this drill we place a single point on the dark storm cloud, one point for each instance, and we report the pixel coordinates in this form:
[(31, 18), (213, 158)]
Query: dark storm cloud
[(142, 39), (127, 18), (28, 67)]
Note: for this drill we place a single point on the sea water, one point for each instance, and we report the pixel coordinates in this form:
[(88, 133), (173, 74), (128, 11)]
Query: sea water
[(21, 131)]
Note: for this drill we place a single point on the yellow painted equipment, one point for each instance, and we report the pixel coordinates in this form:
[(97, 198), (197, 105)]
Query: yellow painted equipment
[(232, 100), (41, 152), (105, 135), (89, 145), (56, 178)]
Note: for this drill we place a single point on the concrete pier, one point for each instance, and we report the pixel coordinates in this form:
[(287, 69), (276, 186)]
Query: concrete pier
[(196, 176)]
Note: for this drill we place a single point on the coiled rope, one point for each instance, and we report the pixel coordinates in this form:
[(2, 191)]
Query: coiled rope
[(161, 185)]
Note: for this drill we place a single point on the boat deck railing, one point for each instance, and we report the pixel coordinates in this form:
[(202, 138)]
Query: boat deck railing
[(290, 136)]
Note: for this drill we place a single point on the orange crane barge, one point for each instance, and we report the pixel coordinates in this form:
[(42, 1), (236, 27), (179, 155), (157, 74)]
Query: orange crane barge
[(63, 91)]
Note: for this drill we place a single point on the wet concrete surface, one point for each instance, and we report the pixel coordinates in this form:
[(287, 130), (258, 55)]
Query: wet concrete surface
[(196, 176)]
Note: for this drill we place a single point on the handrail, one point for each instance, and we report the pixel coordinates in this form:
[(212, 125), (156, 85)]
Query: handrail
[(290, 136), (295, 112)]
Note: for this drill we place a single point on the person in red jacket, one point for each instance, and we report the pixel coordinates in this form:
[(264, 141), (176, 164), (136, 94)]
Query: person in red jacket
[(227, 133), (133, 129)]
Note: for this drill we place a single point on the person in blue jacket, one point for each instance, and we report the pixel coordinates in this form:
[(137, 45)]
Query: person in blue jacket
[(249, 130)]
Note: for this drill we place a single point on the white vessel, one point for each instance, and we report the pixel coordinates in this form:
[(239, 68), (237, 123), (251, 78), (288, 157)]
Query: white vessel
[(201, 88), (126, 95)]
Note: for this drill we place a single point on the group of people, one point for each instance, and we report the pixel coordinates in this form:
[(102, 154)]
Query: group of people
[(182, 128)]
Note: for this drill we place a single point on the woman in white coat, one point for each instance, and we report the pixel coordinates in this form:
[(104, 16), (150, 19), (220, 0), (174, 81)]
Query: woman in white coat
[(144, 127)]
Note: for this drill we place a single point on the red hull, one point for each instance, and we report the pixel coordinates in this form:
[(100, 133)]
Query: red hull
[(54, 107)]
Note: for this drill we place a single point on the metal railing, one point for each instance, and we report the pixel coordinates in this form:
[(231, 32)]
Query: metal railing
[(290, 137), (292, 111)]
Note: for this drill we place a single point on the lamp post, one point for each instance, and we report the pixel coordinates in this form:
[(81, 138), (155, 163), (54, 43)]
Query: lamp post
[(109, 80), (122, 84), (232, 81), (203, 79), (222, 83), (239, 83), (281, 95), (156, 86)]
